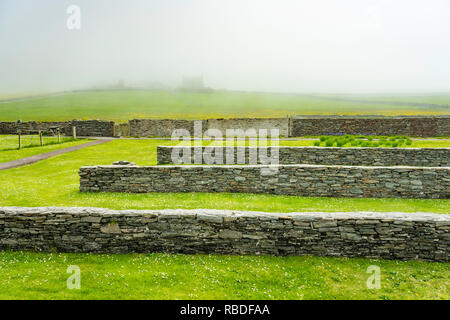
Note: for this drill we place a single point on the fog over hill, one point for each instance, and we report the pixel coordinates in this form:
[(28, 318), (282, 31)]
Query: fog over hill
[(323, 46)]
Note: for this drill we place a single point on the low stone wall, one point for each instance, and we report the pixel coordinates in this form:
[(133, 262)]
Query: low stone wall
[(93, 128), (426, 157), (419, 126), (298, 180), (165, 127), (358, 234), (90, 128), (415, 126), (422, 126), (159, 128), (245, 124), (443, 126), (14, 127), (7, 127)]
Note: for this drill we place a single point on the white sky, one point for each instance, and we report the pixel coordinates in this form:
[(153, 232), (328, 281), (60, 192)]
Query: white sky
[(320, 46)]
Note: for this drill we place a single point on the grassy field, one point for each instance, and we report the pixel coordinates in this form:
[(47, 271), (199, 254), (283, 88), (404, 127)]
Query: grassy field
[(9, 151), (438, 99), (55, 182), (10, 142), (128, 104), (160, 276)]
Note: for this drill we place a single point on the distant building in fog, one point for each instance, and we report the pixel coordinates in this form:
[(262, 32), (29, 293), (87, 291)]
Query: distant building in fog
[(194, 84)]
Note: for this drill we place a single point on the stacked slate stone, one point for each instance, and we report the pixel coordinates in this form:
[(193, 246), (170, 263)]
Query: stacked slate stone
[(355, 234), (295, 180), (421, 157)]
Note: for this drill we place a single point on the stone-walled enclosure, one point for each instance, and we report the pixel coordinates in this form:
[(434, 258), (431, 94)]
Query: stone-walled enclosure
[(92, 128), (297, 180), (426, 157), (358, 234), (416, 126)]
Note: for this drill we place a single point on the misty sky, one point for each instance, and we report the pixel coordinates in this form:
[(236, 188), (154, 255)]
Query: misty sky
[(320, 46)]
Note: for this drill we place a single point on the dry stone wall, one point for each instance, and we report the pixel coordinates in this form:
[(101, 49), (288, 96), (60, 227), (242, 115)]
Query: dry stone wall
[(358, 234), (415, 126), (159, 128), (14, 127), (298, 180), (426, 157), (90, 128), (165, 127), (246, 124), (421, 126)]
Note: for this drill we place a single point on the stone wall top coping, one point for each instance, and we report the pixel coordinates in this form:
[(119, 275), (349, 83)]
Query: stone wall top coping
[(363, 215), (248, 166)]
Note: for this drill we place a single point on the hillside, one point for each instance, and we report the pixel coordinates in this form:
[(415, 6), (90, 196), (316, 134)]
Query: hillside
[(121, 105)]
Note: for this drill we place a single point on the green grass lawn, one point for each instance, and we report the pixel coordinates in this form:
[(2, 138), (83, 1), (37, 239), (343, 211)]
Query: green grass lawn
[(8, 145), (161, 276), (129, 104), (11, 142), (55, 182)]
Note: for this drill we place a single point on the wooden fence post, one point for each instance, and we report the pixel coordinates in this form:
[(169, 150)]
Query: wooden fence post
[(41, 138), (59, 135), (20, 140)]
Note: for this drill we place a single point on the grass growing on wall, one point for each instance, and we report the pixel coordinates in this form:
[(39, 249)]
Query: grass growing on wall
[(161, 276), (55, 182)]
